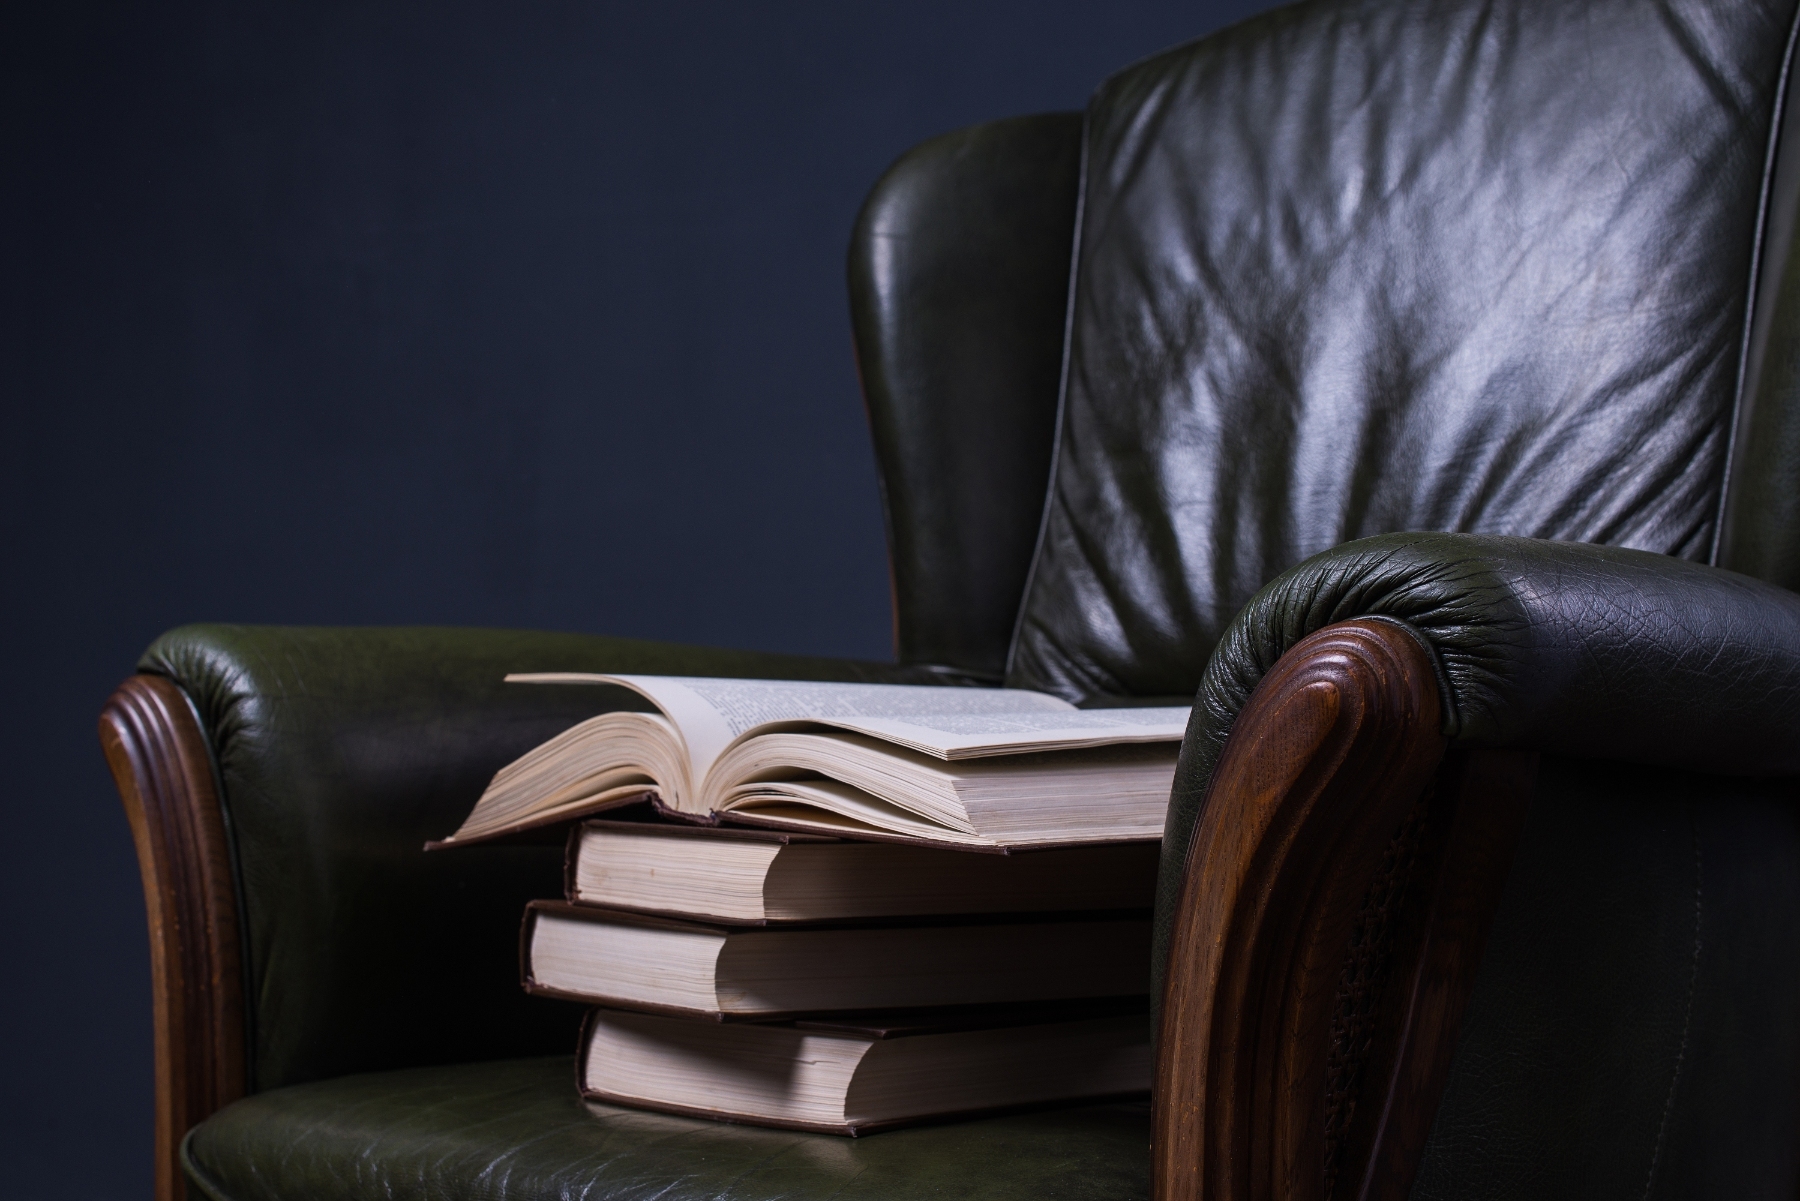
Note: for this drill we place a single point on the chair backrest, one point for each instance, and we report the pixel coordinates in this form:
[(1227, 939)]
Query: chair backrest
[(1481, 266), (959, 274), (1376, 265), (1352, 268)]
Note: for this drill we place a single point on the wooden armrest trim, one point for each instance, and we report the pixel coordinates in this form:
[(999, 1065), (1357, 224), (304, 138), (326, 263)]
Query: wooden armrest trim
[(160, 762), (1337, 892)]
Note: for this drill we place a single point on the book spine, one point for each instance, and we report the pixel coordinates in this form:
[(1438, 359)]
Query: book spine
[(526, 924), (663, 810), (571, 850)]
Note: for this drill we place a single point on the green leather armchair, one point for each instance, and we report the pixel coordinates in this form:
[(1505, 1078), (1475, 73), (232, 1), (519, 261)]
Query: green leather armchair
[(1414, 383)]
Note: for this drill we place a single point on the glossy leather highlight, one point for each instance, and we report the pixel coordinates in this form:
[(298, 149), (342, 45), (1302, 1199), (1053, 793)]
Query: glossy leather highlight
[(1760, 526), (1351, 268), (517, 1129), (959, 281), (340, 752)]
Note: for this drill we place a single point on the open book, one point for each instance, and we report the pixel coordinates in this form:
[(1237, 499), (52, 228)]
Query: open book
[(984, 768)]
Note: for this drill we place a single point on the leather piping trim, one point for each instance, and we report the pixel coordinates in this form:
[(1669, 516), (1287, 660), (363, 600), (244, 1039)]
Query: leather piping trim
[(1753, 314), (196, 1175), (1062, 392), (1687, 1011)]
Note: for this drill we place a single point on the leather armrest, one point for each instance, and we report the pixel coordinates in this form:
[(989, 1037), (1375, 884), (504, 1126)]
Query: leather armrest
[(1583, 650), (339, 752), (1281, 890), (1570, 647)]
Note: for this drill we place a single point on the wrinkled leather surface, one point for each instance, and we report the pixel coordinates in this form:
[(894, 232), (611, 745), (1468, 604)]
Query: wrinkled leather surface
[(1760, 532), (341, 751), (518, 1130), (1632, 1029), (1552, 646), (1383, 265), (959, 278)]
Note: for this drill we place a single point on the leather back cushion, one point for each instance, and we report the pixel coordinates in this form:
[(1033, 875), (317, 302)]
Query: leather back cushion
[(1388, 265)]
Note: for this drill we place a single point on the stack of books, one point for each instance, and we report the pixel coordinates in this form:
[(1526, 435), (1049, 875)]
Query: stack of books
[(846, 907)]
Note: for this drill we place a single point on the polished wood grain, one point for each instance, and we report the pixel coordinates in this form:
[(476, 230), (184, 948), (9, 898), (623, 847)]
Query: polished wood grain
[(1337, 890), (160, 762)]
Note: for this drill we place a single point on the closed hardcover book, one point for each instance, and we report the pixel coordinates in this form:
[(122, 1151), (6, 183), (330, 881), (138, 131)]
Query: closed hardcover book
[(634, 961), (850, 1076), (737, 876)]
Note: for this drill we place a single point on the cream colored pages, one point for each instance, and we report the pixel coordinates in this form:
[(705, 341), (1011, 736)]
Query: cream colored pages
[(615, 757), (712, 714), (954, 736)]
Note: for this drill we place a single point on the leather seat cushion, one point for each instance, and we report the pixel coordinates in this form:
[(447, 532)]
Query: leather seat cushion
[(517, 1129)]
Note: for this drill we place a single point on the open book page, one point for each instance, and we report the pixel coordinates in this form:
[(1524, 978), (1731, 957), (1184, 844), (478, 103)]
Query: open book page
[(822, 806), (605, 760), (712, 713), (980, 735), (1118, 792)]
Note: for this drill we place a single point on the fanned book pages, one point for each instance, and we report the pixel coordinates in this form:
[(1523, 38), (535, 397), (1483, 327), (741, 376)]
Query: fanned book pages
[(982, 768), (851, 1076)]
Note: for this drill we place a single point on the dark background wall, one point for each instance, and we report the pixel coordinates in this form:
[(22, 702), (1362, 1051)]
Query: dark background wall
[(448, 312)]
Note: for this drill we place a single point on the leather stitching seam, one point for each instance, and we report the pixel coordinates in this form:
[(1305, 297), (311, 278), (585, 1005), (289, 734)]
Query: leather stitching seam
[(1778, 114), (196, 1175), (1687, 1018)]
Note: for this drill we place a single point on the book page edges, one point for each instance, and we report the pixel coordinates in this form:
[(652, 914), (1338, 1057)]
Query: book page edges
[(846, 1129), (849, 1129), (899, 732), (538, 821), (988, 847)]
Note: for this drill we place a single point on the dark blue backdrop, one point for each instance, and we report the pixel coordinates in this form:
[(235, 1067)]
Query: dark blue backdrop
[(448, 312)]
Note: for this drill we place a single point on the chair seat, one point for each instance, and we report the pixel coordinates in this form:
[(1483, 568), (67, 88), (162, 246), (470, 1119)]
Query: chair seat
[(517, 1129)]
